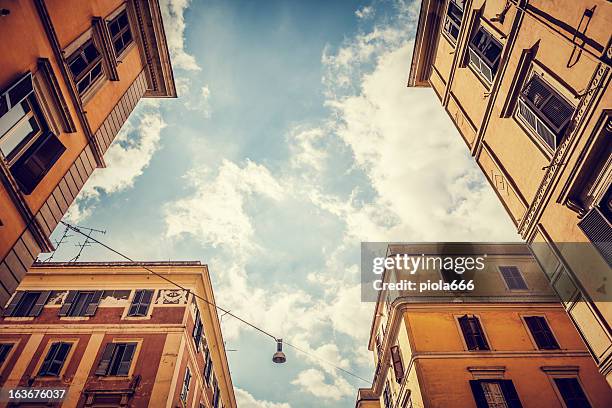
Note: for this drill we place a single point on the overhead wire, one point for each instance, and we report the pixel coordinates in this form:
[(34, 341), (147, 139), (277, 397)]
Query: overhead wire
[(225, 311)]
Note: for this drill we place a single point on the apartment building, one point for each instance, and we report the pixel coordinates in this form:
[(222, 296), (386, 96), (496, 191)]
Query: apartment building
[(526, 84), (115, 334), (71, 72), (508, 343)]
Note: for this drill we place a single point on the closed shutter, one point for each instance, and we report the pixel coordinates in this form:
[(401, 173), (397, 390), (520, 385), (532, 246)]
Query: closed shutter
[(398, 365), (470, 341), (13, 304), (65, 309), (30, 169), (135, 303), (93, 304), (512, 398), (126, 359), (541, 333), (48, 359), (105, 360), (40, 303), (598, 228), (479, 397), (145, 302), (473, 333)]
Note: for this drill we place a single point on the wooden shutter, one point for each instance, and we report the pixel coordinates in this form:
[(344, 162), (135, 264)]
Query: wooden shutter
[(510, 394), (135, 303), (470, 341), (40, 303), (541, 333), (13, 304), (68, 303), (30, 169), (398, 365), (598, 228), (93, 304), (479, 397), (105, 360), (16, 94), (56, 364), (145, 301), (44, 369), (126, 359)]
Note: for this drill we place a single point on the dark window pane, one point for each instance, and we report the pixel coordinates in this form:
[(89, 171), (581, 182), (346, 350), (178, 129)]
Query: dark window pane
[(572, 393), (91, 52), (4, 351), (78, 65), (25, 305)]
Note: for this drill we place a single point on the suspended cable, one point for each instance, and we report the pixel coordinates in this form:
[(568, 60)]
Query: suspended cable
[(225, 311)]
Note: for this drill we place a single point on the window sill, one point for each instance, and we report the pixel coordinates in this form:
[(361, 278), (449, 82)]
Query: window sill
[(546, 150), (74, 318), (483, 80), (136, 318), (18, 318)]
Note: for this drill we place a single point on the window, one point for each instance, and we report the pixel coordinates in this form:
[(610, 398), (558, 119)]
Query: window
[(185, 389), (597, 226), (27, 304), (116, 359), (473, 333), (495, 394), (140, 303), (387, 398), (54, 361), (484, 54), (197, 330), (121, 35), (452, 20), (398, 365), (541, 333), (86, 65), (26, 143), (513, 277), (81, 303), (5, 349), (216, 393), (207, 364), (572, 393), (544, 111)]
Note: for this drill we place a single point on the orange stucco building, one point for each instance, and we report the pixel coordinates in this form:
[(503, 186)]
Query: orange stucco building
[(508, 343), (526, 83), (134, 340), (71, 72)]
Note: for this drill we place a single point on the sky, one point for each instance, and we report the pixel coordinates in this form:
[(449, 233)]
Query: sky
[(294, 139)]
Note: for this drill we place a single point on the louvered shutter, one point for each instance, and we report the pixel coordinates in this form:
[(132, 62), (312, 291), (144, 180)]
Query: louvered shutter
[(13, 304), (479, 397), (126, 359), (398, 365), (44, 369), (59, 358), (466, 328), (512, 398), (93, 304), (598, 229), (105, 360), (480, 334), (135, 304), (65, 309), (145, 302), (40, 303)]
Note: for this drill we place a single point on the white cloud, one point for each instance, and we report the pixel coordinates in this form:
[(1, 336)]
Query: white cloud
[(174, 25), (314, 382), (365, 12), (246, 400), (127, 157)]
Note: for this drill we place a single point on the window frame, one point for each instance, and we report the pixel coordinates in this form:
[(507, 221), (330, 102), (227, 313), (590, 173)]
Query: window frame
[(524, 103), (184, 395), (14, 344), (472, 49), (462, 335), (134, 359), (447, 17), (573, 376), (85, 313), (478, 392), (149, 311), (78, 45), (38, 368), (525, 289), (108, 20), (524, 318)]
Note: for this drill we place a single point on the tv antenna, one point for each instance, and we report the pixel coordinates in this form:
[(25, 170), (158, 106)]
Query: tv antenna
[(87, 242)]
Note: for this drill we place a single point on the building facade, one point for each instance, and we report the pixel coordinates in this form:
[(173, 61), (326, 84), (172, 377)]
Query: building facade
[(526, 84), (71, 72), (508, 343), (114, 334)]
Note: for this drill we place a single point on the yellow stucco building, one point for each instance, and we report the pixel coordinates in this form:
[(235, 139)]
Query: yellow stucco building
[(508, 343), (526, 83), (114, 334)]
